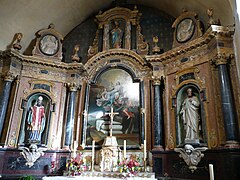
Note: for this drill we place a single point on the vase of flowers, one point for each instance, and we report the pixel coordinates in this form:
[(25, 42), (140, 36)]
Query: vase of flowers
[(75, 166), (129, 167)]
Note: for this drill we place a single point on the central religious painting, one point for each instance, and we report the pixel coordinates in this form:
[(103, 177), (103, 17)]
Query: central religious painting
[(114, 88)]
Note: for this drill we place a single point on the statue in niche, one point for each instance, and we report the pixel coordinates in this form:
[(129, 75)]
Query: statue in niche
[(190, 116), (36, 121), (116, 34)]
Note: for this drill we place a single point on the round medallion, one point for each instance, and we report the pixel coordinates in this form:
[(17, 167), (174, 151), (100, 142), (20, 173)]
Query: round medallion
[(185, 30), (49, 44)]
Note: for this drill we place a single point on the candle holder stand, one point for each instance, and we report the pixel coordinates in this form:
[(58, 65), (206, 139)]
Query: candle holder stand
[(92, 167), (145, 164)]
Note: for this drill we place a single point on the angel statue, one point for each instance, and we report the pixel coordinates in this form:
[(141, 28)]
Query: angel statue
[(31, 154), (190, 155)]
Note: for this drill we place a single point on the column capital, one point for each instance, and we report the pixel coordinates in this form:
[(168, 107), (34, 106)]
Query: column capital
[(72, 86), (222, 58), (156, 80), (9, 76)]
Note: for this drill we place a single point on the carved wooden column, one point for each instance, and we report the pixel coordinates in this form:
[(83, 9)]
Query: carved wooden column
[(228, 108), (70, 114), (158, 115), (4, 97)]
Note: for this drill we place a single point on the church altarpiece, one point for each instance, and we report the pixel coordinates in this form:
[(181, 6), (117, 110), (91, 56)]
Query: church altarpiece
[(150, 93)]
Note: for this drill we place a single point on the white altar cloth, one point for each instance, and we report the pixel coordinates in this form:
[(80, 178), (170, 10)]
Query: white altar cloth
[(94, 178), (103, 176)]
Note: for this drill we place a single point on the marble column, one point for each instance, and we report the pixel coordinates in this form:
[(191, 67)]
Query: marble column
[(158, 115), (4, 98), (143, 135), (70, 114), (228, 108)]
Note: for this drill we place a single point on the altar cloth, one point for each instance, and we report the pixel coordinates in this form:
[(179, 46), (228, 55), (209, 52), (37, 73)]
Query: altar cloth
[(103, 176)]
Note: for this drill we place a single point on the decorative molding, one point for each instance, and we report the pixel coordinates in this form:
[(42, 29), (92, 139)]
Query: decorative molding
[(213, 32)]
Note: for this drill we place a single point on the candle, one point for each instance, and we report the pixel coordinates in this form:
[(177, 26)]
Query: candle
[(144, 150), (93, 150), (124, 149), (211, 172), (75, 145)]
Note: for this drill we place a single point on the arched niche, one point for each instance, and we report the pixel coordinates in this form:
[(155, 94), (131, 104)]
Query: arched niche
[(31, 115), (181, 98)]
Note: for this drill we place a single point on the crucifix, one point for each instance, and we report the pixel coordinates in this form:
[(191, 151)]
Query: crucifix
[(112, 114)]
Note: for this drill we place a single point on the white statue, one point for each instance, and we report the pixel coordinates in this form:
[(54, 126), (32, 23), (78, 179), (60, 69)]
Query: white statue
[(31, 154), (190, 116)]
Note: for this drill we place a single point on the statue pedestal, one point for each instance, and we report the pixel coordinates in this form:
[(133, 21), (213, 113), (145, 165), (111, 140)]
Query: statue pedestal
[(110, 153), (192, 141)]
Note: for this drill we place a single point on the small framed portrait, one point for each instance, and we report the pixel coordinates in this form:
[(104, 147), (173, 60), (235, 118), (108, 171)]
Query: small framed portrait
[(49, 44), (185, 30)]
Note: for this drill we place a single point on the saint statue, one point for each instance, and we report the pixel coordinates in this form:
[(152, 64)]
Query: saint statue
[(190, 116), (36, 121), (116, 34)]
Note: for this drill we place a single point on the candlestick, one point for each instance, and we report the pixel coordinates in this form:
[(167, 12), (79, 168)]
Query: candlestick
[(124, 149), (144, 150), (211, 172), (75, 145), (93, 154)]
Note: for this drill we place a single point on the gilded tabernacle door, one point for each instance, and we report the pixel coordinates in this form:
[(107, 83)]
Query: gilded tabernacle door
[(114, 88)]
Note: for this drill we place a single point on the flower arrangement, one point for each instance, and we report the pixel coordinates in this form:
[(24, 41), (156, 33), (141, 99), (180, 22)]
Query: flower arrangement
[(129, 167), (75, 166)]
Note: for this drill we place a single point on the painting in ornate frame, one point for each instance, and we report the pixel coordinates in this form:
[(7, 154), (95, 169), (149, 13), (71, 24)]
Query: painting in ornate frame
[(115, 88)]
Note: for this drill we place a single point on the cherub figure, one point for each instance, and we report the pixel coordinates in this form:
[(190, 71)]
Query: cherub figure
[(190, 155), (31, 154)]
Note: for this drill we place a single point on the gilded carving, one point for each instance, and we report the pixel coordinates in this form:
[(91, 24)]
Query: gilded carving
[(72, 86), (142, 46), (9, 76), (75, 57), (12, 140), (17, 41), (213, 138), (170, 141), (222, 58), (94, 48)]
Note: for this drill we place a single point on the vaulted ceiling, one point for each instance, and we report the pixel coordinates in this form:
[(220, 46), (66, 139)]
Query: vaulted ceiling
[(29, 16)]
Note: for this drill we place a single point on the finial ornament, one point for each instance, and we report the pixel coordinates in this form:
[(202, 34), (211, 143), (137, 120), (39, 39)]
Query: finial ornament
[(155, 48), (17, 40), (75, 57), (211, 20)]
